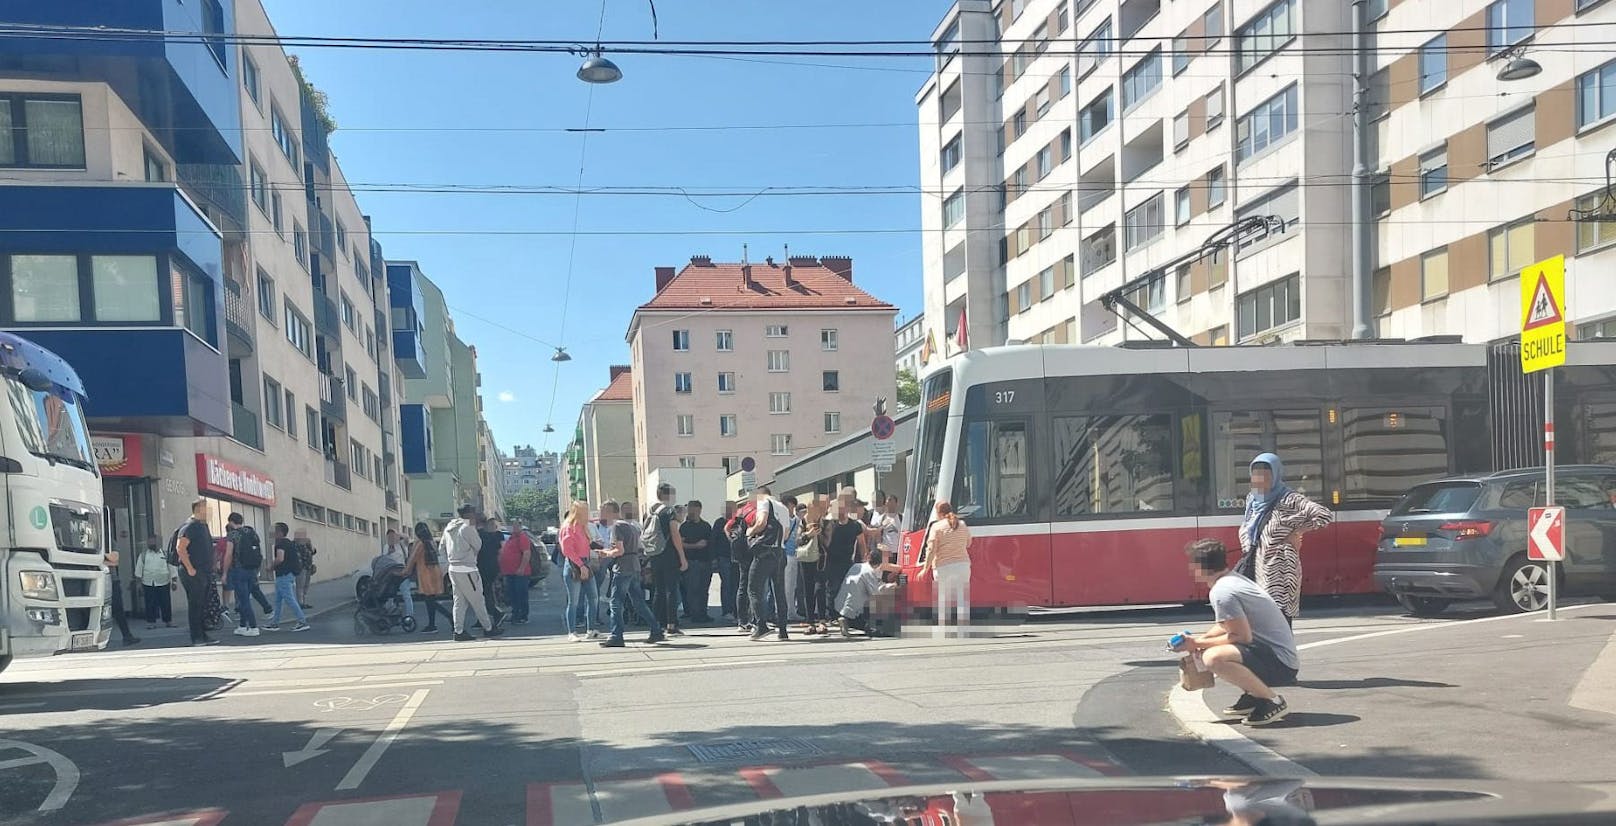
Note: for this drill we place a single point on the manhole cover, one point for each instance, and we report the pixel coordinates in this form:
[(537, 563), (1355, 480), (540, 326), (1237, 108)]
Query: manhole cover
[(774, 748)]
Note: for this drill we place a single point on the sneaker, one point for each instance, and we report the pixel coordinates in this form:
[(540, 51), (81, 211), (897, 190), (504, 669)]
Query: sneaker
[(168, 625), (674, 632), (593, 635), (251, 632), (464, 637), (241, 631), (614, 642), (656, 638), (1241, 707), (762, 633), (783, 636), (151, 626), (493, 632), (128, 641), (1268, 711), (305, 606), (204, 641), (574, 638), (275, 627), (430, 629), (302, 626)]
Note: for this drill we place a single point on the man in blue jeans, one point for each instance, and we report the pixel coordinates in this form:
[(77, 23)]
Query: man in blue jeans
[(288, 564), (626, 552), (243, 556)]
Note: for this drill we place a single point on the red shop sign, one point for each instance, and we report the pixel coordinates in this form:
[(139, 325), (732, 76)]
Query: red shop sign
[(118, 455), (232, 481)]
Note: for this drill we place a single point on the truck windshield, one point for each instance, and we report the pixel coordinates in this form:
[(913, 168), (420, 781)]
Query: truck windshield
[(51, 423)]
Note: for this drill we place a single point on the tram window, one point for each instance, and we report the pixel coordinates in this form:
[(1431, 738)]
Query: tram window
[(1595, 424), (1386, 451), (993, 470), (1113, 464), (1292, 435)]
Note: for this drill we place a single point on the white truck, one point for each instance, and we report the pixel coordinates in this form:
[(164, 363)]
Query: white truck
[(55, 592)]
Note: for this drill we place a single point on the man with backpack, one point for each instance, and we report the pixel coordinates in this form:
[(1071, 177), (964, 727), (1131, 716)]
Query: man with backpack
[(243, 556), (665, 550), (191, 550), (767, 538)]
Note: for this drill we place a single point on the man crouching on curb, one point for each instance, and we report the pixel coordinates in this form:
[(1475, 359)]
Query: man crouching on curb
[(1251, 645)]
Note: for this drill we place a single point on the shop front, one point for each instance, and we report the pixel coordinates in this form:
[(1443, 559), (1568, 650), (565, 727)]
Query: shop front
[(127, 487), (231, 488)]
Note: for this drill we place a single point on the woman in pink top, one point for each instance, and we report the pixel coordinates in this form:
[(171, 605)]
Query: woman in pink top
[(948, 558), (574, 541)]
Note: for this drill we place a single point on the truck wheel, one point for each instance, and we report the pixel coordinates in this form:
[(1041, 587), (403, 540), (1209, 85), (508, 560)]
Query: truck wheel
[(1423, 606), (1523, 587)]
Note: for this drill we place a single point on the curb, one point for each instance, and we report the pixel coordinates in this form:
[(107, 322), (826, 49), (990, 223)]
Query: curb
[(1193, 713)]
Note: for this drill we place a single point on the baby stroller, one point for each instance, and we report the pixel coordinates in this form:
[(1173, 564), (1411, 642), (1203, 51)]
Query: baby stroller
[(381, 609)]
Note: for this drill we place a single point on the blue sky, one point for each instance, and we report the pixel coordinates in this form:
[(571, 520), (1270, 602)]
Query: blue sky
[(411, 117)]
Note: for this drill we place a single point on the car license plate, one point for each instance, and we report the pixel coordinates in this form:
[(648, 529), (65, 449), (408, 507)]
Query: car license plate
[(83, 641), (1408, 541)]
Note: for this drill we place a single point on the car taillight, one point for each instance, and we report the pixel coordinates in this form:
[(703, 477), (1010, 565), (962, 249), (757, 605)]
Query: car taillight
[(1468, 529)]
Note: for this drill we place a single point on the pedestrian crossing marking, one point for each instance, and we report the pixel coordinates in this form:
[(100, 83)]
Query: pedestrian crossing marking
[(410, 810), (203, 817)]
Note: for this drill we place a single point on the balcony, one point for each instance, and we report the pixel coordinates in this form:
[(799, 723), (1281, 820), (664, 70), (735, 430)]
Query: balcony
[(238, 316), (333, 402), (336, 473), (326, 318), (245, 427), (1134, 14)]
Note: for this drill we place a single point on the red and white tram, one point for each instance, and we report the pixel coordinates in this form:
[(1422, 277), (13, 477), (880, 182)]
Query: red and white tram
[(1084, 471)]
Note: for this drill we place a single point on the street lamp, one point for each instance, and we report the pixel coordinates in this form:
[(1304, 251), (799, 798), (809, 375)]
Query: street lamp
[(549, 429), (597, 69), (561, 355), (1519, 67)]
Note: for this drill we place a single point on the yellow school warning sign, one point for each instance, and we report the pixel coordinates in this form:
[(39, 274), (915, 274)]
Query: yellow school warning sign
[(1543, 314)]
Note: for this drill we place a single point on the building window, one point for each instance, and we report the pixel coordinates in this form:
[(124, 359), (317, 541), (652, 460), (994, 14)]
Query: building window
[(249, 75), (1266, 124), (156, 168), (1094, 117), (342, 237), (833, 422), (300, 244), (780, 444), (1181, 283), (125, 288), (779, 361), (298, 331), (284, 138), (1098, 250), (213, 29), (726, 382), (1151, 295), (1434, 274), (1023, 296), (1212, 26), (41, 131), (369, 402), (1045, 161), (1283, 203), (1093, 49), (1143, 223), (830, 381), (681, 383), (195, 303), (1065, 84), (1181, 54), (685, 424), (291, 414), (681, 340), (1141, 79), (954, 209), (828, 340), (266, 296), (1046, 283), (275, 213), (1434, 63), (687, 461), (351, 381), (1215, 191), (272, 402), (1508, 22), (1433, 172), (1214, 109), (1594, 234), (951, 153), (949, 103), (311, 427), (724, 340), (727, 425), (1596, 95), (779, 403), (1181, 206), (776, 331), (1267, 33), (45, 288), (1270, 306), (347, 312), (1511, 247), (260, 187), (1181, 130), (1512, 136)]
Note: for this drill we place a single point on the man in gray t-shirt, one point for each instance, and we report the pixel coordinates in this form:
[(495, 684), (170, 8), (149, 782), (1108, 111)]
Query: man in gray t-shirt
[(627, 589), (1251, 645)]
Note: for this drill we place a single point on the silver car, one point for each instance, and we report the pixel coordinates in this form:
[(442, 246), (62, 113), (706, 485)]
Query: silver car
[(1465, 538)]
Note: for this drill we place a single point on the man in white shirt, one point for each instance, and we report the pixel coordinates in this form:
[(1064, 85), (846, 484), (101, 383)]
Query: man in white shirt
[(461, 542)]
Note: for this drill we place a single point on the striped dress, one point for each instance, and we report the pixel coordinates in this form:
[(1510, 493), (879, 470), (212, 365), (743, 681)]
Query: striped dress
[(1279, 564)]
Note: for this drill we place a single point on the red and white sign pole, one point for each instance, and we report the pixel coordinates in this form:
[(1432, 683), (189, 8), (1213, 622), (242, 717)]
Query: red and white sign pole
[(1548, 482)]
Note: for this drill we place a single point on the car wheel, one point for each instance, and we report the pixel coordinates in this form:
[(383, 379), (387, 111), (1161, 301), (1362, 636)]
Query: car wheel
[(1523, 587), (1423, 606), (407, 624)]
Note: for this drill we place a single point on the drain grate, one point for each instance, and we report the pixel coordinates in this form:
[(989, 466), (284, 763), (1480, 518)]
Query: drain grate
[(772, 748)]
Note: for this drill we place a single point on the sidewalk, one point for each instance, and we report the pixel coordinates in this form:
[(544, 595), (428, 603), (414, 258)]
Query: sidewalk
[(327, 596), (1514, 697)]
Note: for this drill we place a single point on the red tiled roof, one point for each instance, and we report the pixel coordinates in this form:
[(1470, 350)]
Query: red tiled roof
[(724, 287), (620, 390)]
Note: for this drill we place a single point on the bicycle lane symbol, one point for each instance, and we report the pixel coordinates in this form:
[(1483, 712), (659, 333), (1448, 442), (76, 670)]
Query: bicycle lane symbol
[(67, 772), (329, 704)]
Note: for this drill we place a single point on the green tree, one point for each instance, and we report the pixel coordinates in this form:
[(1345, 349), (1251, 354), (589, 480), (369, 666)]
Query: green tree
[(537, 508), (908, 388)]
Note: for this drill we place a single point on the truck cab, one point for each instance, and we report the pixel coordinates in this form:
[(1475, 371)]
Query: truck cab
[(54, 588)]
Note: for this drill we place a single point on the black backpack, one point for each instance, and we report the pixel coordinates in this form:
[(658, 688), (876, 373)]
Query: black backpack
[(773, 535), (172, 553), (249, 549)]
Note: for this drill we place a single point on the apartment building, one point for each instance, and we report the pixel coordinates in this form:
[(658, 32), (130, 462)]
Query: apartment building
[(908, 342), (755, 360), (528, 469), (598, 463)]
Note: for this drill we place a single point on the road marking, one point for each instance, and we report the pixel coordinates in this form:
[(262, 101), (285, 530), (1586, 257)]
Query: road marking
[(567, 804), (312, 749), (67, 772), (1432, 625), (617, 672), (325, 688), (1596, 691), (410, 810), (367, 761), (9, 706), (329, 704), (201, 817)]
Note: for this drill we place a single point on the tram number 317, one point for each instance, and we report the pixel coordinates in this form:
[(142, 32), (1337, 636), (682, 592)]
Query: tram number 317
[(1004, 396)]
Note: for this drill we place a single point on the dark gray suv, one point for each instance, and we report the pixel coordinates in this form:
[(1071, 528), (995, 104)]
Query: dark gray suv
[(1465, 538)]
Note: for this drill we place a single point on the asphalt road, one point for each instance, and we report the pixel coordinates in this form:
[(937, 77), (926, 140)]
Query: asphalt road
[(534, 729)]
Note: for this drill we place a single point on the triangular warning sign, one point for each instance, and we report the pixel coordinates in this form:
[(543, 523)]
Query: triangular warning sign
[(1544, 310)]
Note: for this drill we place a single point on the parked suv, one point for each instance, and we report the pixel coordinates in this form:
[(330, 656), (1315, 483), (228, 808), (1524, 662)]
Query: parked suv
[(1465, 538)]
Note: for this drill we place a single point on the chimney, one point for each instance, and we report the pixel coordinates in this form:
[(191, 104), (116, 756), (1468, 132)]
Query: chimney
[(663, 276), (791, 283), (839, 264), (701, 260), (617, 370)]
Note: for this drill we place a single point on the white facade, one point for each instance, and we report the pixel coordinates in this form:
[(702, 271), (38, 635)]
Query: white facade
[(528, 469), (907, 342)]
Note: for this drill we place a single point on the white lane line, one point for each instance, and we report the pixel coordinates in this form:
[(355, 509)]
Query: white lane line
[(617, 672), (367, 761), (67, 772), (325, 688), (1432, 625), (8, 706)]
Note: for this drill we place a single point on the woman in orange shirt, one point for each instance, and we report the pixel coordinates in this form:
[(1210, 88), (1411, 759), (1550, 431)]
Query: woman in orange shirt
[(948, 559)]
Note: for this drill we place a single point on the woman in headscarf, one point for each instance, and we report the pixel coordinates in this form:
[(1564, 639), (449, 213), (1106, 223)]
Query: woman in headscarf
[(1271, 533)]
